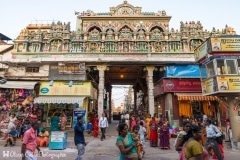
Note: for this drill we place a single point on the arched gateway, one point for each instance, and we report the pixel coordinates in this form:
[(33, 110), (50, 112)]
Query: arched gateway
[(123, 46)]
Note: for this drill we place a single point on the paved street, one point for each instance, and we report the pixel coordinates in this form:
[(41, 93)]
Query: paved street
[(102, 150)]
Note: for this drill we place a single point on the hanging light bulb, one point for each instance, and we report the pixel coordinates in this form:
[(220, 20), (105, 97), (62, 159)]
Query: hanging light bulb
[(51, 83), (70, 83)]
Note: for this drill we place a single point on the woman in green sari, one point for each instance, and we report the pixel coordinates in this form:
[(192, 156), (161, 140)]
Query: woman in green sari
[(55, 122), (126, 144)]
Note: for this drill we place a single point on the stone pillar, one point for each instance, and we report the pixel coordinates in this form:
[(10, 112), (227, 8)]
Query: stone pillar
[(234, 120), (169, 107), (150, 89), (103, 36), (135, 100), (110, 103), (101, 70), (116, 35), (147, 35)]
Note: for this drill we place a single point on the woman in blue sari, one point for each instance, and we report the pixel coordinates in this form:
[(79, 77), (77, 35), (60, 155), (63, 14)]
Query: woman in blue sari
[(126, 144)]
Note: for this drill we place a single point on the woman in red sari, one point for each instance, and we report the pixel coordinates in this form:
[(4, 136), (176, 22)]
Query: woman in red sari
[(153, 133), (95, 126)]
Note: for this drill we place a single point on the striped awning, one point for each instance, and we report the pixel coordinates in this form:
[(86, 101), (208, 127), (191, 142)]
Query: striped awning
[(19, 84), (195, 97), (58, 100)]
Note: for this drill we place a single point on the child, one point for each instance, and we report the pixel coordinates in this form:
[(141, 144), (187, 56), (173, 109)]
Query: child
[(11, 137), (136, 138), (25, 126), (142, 132)]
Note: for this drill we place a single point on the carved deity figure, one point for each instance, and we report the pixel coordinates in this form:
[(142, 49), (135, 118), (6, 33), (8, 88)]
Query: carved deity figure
[(194, 43), (141, 35), (94, 34), (125, 34), (112, 10), (56, 46), (156, 34), (110, 35), (53, 47), (157, 47), (164, 13), (125, 47)]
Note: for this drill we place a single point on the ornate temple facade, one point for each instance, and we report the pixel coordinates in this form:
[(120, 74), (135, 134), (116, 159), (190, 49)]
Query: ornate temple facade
[(124, 35)]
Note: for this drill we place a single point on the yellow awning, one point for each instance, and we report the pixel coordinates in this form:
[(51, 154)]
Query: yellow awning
[(195, 97), (59, 99)]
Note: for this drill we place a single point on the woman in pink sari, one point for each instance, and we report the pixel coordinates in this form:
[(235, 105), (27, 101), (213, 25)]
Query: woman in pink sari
[(153, 133), (133, 123), (63, 121)]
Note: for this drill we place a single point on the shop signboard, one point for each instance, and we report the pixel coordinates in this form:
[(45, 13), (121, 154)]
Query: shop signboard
[(209, 86), (228, 84), (181, 85), (77, 113), (201, 52), (62, 88), (71, 68), (225, 44)]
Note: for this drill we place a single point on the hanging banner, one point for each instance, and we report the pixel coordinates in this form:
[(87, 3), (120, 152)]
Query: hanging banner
[(71, 68), (77, 113), (228, 83), (225, 44), (209, 86), (201, 52), (221, 84)]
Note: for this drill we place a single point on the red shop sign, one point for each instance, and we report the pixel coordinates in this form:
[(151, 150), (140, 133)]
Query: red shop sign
[(182, 85)]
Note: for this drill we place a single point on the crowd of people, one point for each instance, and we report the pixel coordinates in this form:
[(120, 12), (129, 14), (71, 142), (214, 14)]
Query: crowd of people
[(136, 131), (13, 125), (200, 139)]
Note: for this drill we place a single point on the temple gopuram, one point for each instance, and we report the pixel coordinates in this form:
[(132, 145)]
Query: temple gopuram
[(124, 46)]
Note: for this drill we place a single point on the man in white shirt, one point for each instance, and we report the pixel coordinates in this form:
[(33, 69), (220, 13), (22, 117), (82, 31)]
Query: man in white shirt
[(126, 116), (212, 133), (103, 124)]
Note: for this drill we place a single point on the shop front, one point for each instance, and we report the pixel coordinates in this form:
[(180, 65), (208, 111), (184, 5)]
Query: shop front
[(60, 97), (16, 95), (182, 99)]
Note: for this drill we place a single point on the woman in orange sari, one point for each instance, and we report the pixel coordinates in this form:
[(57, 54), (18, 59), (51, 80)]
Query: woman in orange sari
[(43, 138), (147, 120), (95, 126), (153, 133)]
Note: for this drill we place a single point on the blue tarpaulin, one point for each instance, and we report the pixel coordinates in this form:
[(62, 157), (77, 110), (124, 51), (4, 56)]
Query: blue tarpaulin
[(191, 71)]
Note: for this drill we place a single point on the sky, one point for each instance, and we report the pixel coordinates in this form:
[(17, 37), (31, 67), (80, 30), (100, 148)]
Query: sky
[(118, 94), (15, 15)]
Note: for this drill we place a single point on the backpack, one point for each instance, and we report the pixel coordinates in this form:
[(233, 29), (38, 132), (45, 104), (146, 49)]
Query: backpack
[(220, 138)]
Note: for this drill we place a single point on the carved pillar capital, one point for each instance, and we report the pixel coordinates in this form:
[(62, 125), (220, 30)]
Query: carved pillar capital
[(101, 67), (150, 70)]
